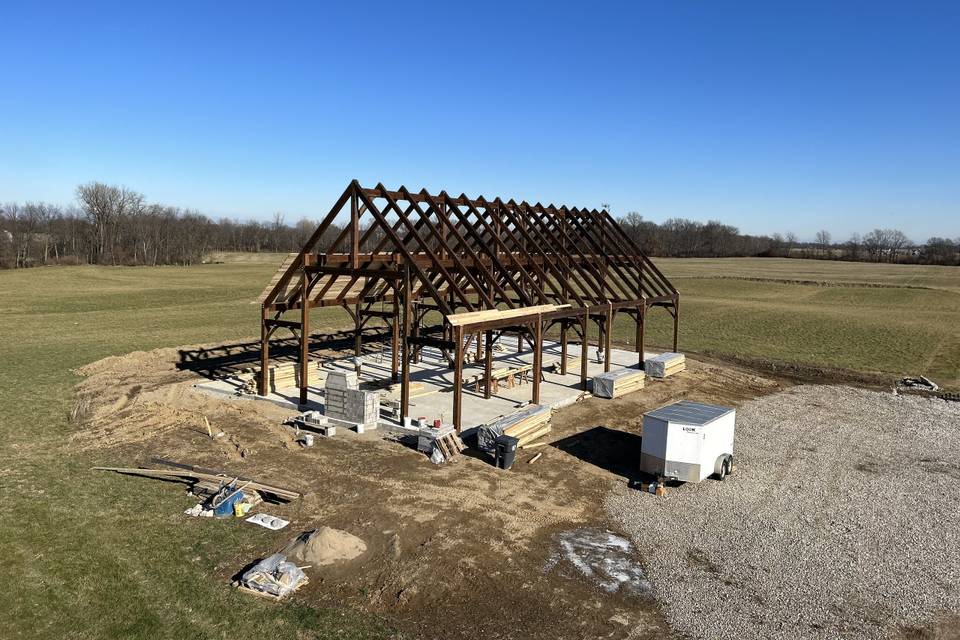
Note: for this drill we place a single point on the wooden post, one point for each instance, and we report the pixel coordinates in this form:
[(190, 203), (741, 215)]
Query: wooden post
[(405, 374), (519, 341), (304, 338), (641, 321), (563, 347), (488, 364), (458, 379), (354, 231), (537, 358), (264, 384), (479, 348), (676, 322), (416, 333), (607, 335), (357, 339), (395, 337), (583, 350)]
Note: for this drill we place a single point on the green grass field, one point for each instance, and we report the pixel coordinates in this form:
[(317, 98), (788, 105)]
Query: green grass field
[(85, 557)]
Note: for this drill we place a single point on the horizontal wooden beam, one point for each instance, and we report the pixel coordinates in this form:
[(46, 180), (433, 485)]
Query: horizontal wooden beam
[(370, 272)]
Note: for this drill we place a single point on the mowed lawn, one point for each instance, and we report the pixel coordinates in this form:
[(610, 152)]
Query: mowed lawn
[(93, 555), (88, 556), (888, 319)]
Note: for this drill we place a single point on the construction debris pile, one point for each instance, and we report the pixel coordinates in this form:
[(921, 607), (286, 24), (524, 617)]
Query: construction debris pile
[(273, 577), (439, 442)]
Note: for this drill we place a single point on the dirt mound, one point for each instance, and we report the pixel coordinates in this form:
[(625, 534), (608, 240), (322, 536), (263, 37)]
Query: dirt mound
[(142, 395), (325, 546)]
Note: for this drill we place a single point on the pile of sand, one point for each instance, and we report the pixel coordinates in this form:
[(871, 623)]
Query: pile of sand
[(325, 546)]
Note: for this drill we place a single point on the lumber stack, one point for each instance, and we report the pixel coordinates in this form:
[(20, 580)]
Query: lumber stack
[(283, 375), (664, 365), (614, 384), (528, 424)]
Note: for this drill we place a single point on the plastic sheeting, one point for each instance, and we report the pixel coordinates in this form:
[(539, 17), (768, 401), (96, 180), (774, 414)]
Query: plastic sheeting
[(487, 434), (603, 383), (273, 575), (656, 366)]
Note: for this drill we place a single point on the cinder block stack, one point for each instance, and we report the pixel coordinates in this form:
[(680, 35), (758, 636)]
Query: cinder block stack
[(345, 401), (429, 435)]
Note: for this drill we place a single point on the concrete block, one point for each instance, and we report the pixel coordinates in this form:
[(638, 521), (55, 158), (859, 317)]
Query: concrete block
[(346, 380)]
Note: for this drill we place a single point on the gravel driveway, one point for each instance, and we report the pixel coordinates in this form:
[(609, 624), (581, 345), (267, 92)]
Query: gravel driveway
[(842, 520)]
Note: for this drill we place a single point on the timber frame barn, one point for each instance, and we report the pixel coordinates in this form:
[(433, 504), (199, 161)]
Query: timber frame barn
[(477, 269)]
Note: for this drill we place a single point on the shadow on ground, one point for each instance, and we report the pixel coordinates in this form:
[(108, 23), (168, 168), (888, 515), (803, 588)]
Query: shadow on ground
[(615, 451)]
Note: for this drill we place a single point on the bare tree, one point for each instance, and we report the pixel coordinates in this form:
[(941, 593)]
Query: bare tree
[(940, 251), (105, 207), (823, 241), (853, 246)]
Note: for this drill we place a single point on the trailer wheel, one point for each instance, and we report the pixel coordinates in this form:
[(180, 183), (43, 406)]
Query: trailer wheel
[(724, 469)]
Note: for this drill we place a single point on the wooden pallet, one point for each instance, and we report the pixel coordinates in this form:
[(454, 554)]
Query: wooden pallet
[(450, 445)]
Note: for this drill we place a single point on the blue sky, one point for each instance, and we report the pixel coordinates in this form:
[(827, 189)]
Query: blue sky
[(772, 116)]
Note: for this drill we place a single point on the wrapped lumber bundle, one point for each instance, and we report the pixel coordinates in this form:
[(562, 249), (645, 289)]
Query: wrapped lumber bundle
[(614, 384), (664, 365), (526, 425)]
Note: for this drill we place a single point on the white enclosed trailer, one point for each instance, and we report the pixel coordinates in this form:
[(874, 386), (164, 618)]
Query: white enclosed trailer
[(688, 441)]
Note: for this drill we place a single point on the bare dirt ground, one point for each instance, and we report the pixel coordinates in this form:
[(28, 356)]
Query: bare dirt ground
[(458, 551)]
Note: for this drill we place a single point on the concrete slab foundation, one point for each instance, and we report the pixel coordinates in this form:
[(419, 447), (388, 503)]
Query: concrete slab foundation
[(435, 399)]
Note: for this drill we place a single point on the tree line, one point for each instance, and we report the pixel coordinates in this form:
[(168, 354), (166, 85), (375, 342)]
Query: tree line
[(117, 226), (114, 225), (682, 238)]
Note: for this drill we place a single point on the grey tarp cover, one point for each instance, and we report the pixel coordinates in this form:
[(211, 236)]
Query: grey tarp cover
[(487, 433), (603, 383)]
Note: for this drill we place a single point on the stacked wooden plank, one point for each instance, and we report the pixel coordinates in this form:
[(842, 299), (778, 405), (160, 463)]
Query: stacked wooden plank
[(664, 365), (283, 375), (613, 384), (529, 424)]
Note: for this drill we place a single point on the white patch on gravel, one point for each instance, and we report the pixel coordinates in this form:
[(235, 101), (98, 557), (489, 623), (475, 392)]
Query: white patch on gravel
[(602, 556), (842, 519)]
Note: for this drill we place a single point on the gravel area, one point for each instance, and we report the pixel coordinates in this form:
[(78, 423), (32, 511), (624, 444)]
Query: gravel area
[(841, 520)]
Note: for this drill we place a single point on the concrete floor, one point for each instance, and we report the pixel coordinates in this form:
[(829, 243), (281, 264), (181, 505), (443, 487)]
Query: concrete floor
[(433, 372)]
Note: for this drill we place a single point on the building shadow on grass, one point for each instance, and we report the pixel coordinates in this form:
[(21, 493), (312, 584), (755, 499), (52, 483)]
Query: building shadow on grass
[(229, 359)]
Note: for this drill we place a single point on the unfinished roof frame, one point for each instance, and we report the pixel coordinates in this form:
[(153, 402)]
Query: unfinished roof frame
[(540, 265)]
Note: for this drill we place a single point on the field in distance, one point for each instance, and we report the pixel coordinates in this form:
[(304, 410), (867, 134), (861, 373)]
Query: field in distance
[(871, 318)]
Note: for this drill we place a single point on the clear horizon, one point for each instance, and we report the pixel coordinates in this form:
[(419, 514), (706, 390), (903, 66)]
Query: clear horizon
[(822, 116)]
